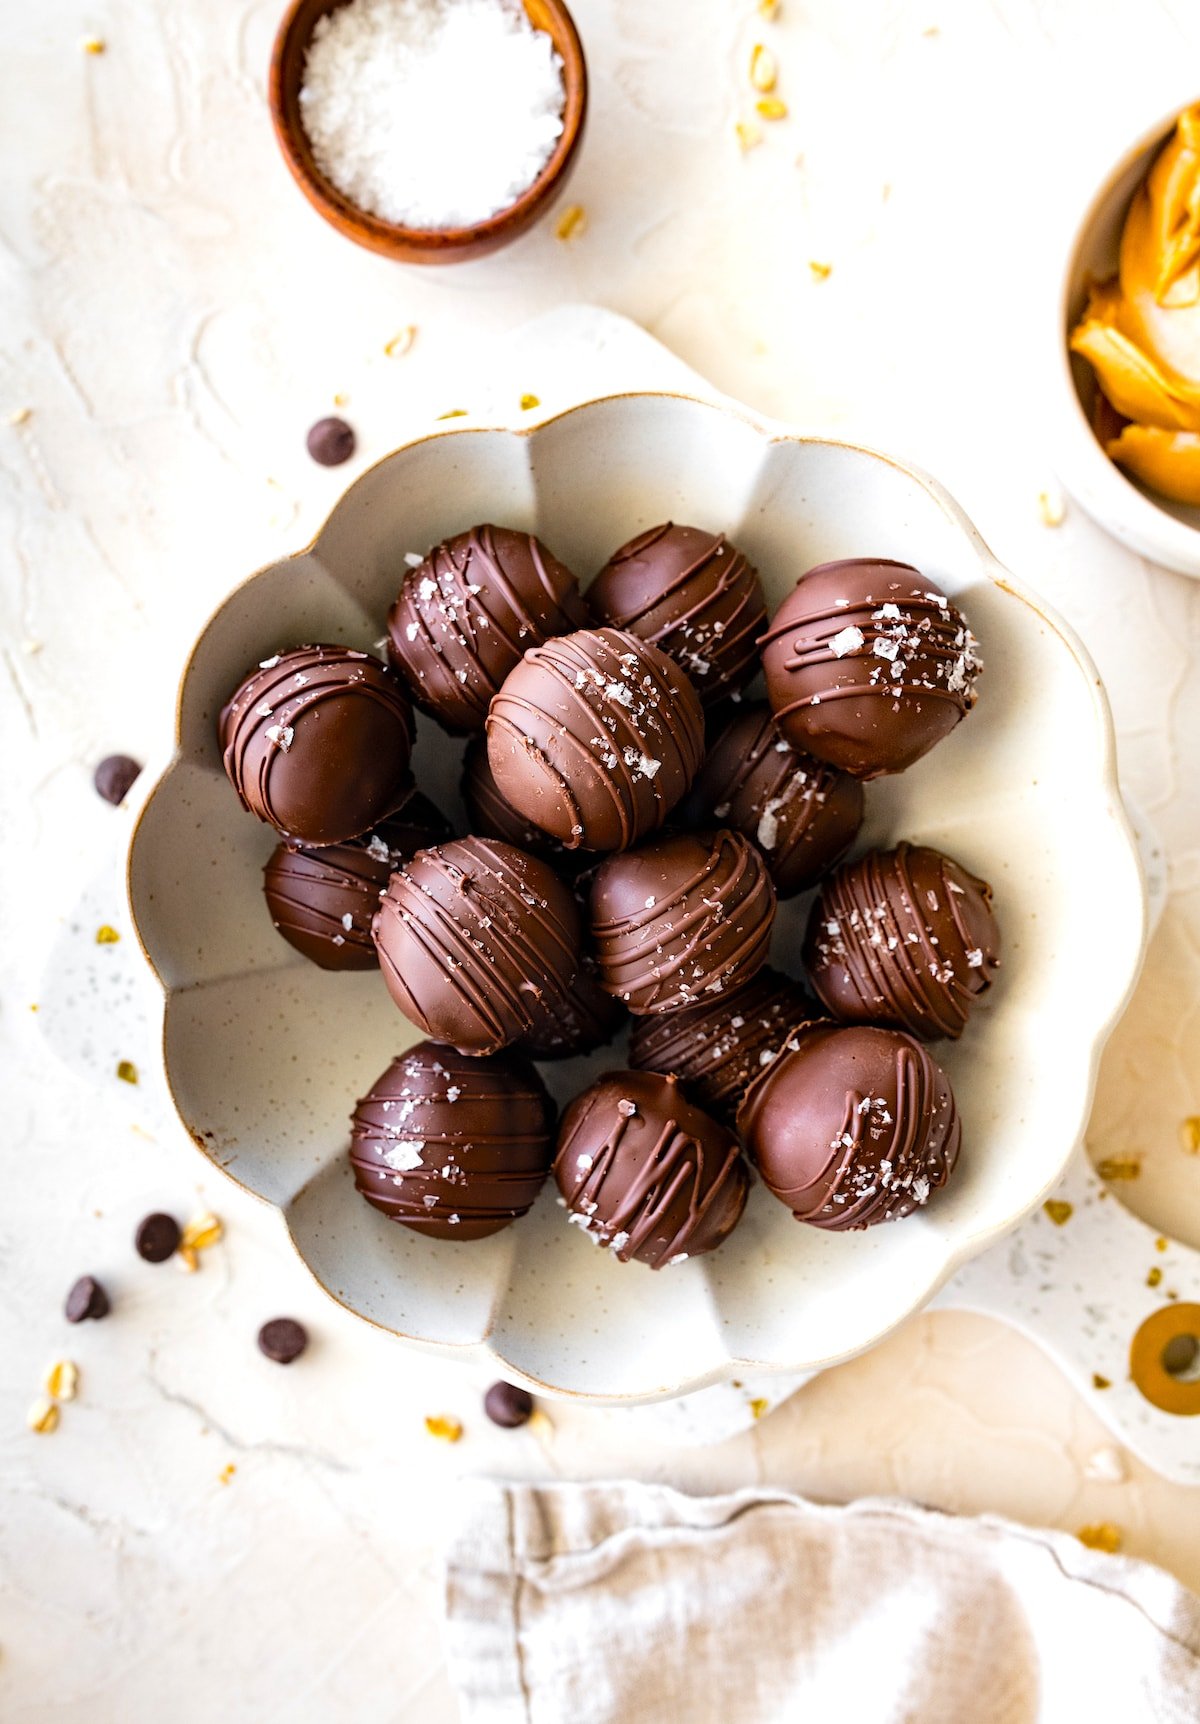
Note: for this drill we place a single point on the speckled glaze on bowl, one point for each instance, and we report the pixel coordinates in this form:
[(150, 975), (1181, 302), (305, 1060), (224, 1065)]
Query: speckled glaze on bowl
[(265, 1054), (1153, 526)]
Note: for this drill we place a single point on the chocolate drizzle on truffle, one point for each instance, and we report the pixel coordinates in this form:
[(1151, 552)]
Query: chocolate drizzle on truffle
[(868, 665), (492, 816), (451, 1144), (476, 941), (693, 595), (465, 615), (645, 1173), (719, 1047), (316, 742), (852, 1126), (595, 737), (681, 919), (586, 1019), (904, 937), (802, 813)]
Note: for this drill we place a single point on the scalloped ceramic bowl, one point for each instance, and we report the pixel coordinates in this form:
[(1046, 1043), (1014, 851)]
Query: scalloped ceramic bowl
[(265, 1054)]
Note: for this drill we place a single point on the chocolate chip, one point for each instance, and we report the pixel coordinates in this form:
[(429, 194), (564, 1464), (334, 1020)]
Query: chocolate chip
[(282, 1339), (507, 1405), (115, 776), (87, 1299), (157, 1237), (331, 441)]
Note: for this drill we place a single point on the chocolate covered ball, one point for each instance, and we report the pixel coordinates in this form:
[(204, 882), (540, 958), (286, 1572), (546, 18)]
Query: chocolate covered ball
[(903, 937), (692, 594), (492, 816), (717, 1048), (802, 813), (868, 665), (595, 737), (323, 900), (852, 1126), (477, 940), (646, 1173), (680, 920), (465, 615), (316, 743), (586, 1019), (451, 1144)]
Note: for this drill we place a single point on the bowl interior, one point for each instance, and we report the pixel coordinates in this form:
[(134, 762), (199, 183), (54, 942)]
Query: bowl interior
[(1094, 258), (266, 1055), (391, 238)]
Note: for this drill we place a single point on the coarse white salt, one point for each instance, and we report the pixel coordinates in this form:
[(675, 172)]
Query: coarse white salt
[(431, 113)]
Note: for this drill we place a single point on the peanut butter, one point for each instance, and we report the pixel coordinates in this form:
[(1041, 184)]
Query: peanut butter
[(1141, 330)]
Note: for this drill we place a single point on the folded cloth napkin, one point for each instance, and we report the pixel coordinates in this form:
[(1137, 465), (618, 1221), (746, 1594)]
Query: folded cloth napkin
[(593, 1604)]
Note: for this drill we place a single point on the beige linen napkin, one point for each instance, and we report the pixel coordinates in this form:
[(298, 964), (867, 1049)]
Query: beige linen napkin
[(626, 1603)]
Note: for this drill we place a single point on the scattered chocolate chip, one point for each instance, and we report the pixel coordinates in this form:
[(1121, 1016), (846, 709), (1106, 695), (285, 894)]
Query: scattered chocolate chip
[(507, 1405), (157, 1237), (282, 1339), (114, 777), (331, 441), (87, 1299)]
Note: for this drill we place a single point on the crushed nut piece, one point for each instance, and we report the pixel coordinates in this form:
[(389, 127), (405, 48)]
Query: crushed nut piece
[(401, 342), (758, 1406), (1099, 1382), (19, 415), (187, 1258), (441, 1425), (202, 1231), (1051, 508), (1102, 1536), (529, 402), (226, 1473), (42, 1416), (1160, 1244), (771, 108), (340, 399), (454, 413), (768, 8), (542, 1426), (1119, 1167), (571, 223), (1153, 1276), (1059, 1210), (61, 1380), (820, 271), (764, 71), (749, 136), (127, 1071), (106, 936), (92, 45), (1189, 1134)]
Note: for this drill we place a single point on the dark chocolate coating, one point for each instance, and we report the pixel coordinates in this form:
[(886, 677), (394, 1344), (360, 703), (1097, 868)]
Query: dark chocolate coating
[(477, 940), (802, 813), (465, 615), (492, 816), (415, 823), (323, 901), (693, 595), (718, 1048), (903, 937), (585, 1020), (316, 742), (452, 1144), (595, 737), (852, 1126), (868, 665), (681, 919), (646, 1173)]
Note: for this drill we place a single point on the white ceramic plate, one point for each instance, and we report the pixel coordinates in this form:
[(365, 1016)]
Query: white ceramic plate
[(265, 1054)]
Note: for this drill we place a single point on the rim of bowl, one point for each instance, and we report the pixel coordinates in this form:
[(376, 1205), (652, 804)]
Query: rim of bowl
[(388, 237), (483, 1349), (1125, 511)]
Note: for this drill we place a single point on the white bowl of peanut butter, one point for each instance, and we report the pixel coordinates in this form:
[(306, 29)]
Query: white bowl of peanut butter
[(1128, 348)]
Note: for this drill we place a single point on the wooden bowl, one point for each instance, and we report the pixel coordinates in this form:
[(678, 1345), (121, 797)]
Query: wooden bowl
[(421, 245)]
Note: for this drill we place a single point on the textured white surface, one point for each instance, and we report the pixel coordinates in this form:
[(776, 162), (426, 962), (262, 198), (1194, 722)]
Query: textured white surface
[(175, 316)]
